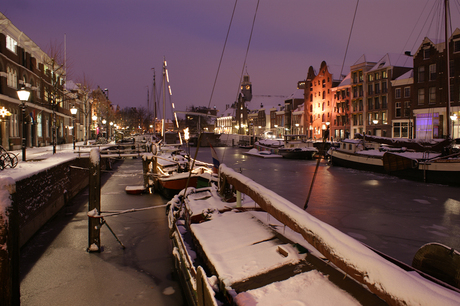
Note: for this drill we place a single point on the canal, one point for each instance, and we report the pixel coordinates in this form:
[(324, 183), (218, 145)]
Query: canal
[(393, 215)]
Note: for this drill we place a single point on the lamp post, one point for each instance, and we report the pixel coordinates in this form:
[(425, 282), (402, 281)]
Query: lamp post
[(23, 95), (73, 111)]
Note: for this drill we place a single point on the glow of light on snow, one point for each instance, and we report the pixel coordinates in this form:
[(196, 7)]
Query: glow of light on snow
[(452, 207), (310, 286)]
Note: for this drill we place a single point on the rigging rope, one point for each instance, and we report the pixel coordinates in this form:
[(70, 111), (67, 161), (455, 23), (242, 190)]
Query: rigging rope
[(348, 42), (222, 55)]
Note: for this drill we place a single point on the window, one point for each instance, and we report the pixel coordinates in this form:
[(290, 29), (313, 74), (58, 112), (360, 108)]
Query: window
[(376, 103), (432, 74), (384, 117), (407, 108), (398, 93), (360, 76), (370, 77), (12, 78), (360, 105), (47, 126), (384, 102), (14, 123), (421, 96), (432, 95), (397, 130), (421, 74), (39, 125), (11, 44), (384, 74), (370, 105), (377, 88), (370, 89), (457, 45), (426, 53), (398, 110), (324, 83), (401, 129), (406, 92)]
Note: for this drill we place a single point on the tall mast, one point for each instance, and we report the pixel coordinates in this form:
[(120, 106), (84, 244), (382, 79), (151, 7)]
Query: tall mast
[(446, 9), (154, 93), (164, 100)]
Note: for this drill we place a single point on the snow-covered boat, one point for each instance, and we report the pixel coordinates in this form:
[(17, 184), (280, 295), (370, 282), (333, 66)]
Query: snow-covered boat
[(256, 248), (292, 147), (169, 171), (428, 166)]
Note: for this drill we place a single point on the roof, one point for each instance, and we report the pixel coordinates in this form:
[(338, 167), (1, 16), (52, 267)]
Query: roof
[(266, 102), (394, 60)]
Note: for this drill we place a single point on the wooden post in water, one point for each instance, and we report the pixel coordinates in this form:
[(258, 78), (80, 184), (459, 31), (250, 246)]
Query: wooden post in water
[(9, 246), (94, 225)]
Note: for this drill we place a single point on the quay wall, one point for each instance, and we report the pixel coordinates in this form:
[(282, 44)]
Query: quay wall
[(41, 196)]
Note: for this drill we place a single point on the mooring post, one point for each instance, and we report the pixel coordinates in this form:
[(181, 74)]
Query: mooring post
[(94, 226), (9, 244), (146, 160)]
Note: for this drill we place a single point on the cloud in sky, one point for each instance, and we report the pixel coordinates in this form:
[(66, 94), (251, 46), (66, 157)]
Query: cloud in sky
[(116, 43)]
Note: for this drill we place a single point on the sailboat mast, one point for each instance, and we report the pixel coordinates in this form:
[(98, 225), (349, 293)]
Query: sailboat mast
[(154, 93), (446, 9), (164, 101)]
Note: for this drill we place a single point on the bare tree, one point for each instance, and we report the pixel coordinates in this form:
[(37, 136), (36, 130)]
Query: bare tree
[(85, 94), (55, 70)]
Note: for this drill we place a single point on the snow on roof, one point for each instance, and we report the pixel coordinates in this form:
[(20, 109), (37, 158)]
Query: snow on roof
[(372, 58), (409, 74), (266, 102), (346, 81), (394, 60)]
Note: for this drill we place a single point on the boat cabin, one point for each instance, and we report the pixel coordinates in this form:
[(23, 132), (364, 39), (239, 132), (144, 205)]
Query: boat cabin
[(356, 145)]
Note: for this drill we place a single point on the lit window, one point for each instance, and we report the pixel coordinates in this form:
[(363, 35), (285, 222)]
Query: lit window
[(11, 44), (12, 78)]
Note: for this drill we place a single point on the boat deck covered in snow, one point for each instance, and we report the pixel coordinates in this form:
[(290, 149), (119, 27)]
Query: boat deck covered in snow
[(234, 250)]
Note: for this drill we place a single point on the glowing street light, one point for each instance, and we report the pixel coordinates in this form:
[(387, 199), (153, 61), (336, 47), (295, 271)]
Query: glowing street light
[(23, 95)]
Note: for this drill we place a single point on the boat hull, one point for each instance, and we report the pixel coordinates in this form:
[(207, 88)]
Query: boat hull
[(171, 186), (297, 154), (441, 171)]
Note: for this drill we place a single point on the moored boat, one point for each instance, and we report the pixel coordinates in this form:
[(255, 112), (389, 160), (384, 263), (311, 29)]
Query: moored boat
[(292, 147), (170, 170), (256, 247), (428, 166)]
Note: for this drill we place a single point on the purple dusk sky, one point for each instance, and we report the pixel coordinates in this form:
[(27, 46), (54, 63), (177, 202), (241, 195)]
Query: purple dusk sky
[(116, 43)]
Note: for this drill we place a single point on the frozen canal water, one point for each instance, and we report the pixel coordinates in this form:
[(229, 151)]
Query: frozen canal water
[(393, 215)]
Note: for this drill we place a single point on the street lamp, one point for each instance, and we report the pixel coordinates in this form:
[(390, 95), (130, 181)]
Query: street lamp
[(73, 111), (23, 95)]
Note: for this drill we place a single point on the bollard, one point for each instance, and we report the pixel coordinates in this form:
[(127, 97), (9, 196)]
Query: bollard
[(94, 233), (9, 244)]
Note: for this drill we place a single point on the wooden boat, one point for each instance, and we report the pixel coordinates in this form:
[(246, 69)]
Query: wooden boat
[(168, 171), (431, 167), (256, 248)]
